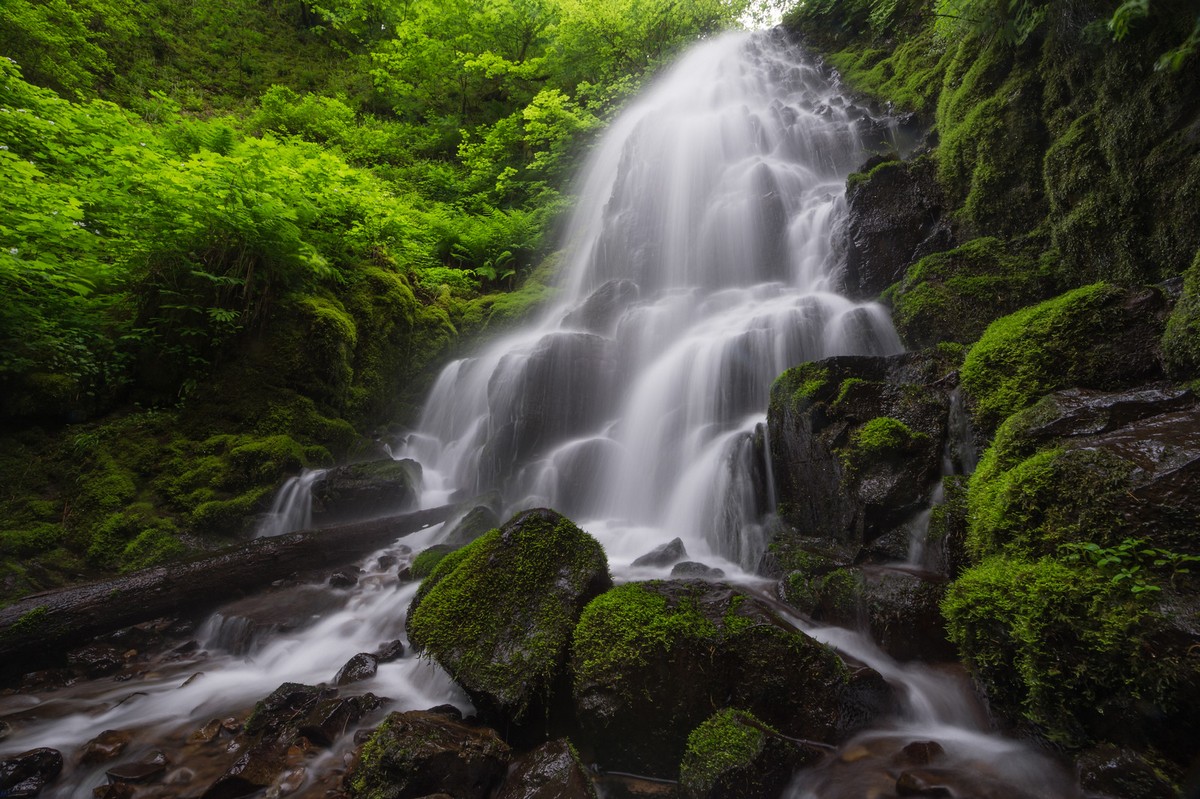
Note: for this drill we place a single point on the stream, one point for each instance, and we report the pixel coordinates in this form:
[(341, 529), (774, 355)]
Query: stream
[(700, 264)]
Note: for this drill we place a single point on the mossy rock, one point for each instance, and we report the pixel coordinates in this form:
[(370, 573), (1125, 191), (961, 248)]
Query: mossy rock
[(733, 755), (1181, 339), (1065, 647), (427, 560), (1090, 467), (1099, 336), (421, 753), (952, 296), (499, 613), (553, 770), (649, 659), (362, 490)]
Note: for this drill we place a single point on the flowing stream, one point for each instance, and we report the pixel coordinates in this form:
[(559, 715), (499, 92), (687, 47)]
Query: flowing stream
[(700, 265)]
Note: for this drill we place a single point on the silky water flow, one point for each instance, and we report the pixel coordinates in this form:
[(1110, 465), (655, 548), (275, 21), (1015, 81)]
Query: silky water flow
[(699, 264)]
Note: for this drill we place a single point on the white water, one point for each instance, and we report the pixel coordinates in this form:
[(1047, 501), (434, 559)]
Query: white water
[(700, 266), (292, 508), (713, 202)]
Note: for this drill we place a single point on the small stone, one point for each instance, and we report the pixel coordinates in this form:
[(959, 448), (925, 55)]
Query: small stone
[(855, 754), (387, 562), (393, 650), (918, 783), (97, 660), (671, 552), (115, 790), (343, 578), (207, 733), (292, 781), (690, 568), (920, 753), (231, 725), (105, 746), (136, 773)]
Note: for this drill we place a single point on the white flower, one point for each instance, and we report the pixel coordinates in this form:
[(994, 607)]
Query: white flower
[(13, 251)]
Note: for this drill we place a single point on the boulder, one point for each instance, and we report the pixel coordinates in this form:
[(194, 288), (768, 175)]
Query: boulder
[(856, 442), (392, 650), (551, 771), (894, 217), (1113, 772), (498, 614), (903, 614), (363, 490), (419, 753), (651, 660), (96, 660), (475, 523), (603, 307), (28, 773), (105, 747), (733, 755), (662, 556), (360, 667), (697, 571)]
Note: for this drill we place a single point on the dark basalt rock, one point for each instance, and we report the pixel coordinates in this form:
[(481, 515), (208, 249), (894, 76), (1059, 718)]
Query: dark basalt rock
[(699, 571), (344, 578), (149, 769), (500, 619), (833, 484), (478, 521), (1111, 772), (96, 660), (419, 753), (894, 217), (671, 552), (360, 667), (603, 307), (105, 746), (28, 773), (903, 614), (364, 490), (652, 659), (392, 650), (551, 771)]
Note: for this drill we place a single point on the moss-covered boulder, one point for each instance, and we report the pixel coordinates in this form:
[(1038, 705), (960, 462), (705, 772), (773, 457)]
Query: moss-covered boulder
[(1099, 336), (421, 753), (650, 660), (362, 490), (733, 755), (894, 217), (499, 613), (856, 442), (954, 295), (1181, 339)]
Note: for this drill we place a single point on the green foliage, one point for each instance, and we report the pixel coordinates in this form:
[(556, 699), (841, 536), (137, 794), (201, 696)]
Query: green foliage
[(1058, 643), (885, 437), (1181, 339), (796, 387), (1010, 22), (427, 560), (1133, 563), (726, 740), (1034, 351)]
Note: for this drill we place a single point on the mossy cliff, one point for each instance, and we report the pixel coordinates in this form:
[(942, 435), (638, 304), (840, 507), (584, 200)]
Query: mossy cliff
[(1061, 256)]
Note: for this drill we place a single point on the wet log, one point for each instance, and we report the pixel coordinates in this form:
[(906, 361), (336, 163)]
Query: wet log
[(40, 627)]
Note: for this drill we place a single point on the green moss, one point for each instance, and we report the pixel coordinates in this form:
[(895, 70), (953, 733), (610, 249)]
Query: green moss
[(797, 387), (31, 540), (1181, 340), (1061, 646), (497, 614), (1034, 351), (952, 296), (425, 562), (221, 516), (626, 624), (727, 741), (908, 76)]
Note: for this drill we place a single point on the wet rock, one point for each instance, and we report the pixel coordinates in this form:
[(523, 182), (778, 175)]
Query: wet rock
[(894, 217), (671, 552), (1112, 772), (363, 490), (500, 621), (551, 771), (241, 626), (418, 753), (149, 769), (603, 307), (332, 718), (478, 521), (856, 443), (922, 783), (386, 562), (207, 733), (105, 746), (115, 790), (652, 659), (28, 773), (692, 569), (97, 660), (904, 616), (392, 650), (919, 753), (344, 578), (5, 730), (254, 770), (733, 755)]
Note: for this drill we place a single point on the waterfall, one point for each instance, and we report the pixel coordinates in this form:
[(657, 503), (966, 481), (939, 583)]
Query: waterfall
[(292, 507), (699, 266)]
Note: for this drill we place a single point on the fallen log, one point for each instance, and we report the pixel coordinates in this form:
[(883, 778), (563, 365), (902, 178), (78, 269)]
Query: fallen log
[(42, 626)]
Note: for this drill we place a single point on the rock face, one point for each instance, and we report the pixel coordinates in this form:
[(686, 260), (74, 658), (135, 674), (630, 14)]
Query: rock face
[(600, 311), (363, 490), (293, 715), (856, 442), (420, 753), (551, 771), (651, 660), (666, 555), (498, 614), (733, 755), (894, 217)]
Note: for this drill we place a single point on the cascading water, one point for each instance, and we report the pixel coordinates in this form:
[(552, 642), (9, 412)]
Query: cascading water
[(700, 266), (292, 508)]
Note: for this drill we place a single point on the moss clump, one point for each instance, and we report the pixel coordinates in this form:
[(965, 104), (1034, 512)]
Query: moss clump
[(1066, 341), (1181, 340), (625, 625), (952, 296), (796, 387), (729, 741), (425, 562), (1061, 646), (499, 616), (882, 438)]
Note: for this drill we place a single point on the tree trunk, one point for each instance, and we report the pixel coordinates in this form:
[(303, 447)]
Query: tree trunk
[(42, 626)]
